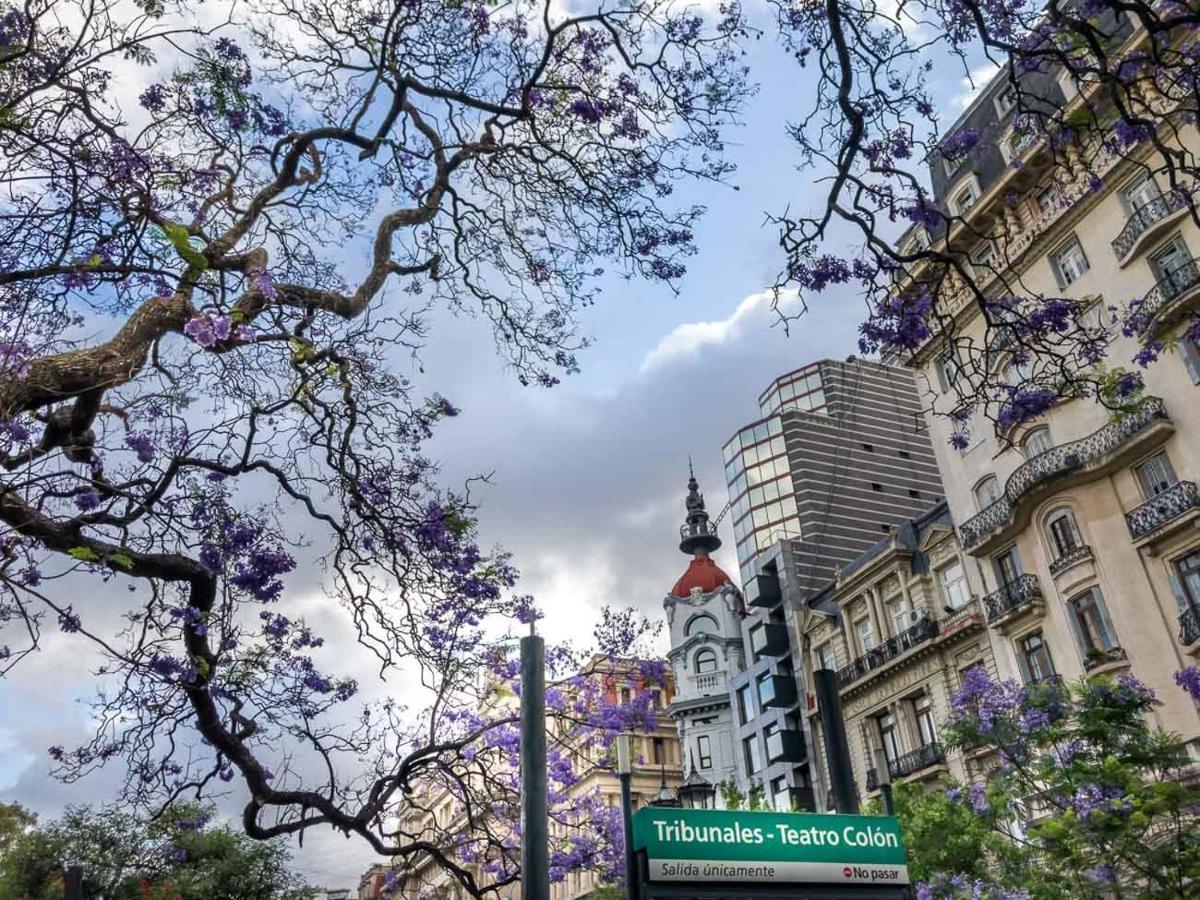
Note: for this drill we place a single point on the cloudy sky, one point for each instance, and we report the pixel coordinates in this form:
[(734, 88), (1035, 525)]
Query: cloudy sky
[(588, 479)]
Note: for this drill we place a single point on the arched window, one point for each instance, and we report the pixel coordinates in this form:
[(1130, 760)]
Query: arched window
[(705, 661), (701, 624), (1062, 533), (1036, 442), (987, 492)]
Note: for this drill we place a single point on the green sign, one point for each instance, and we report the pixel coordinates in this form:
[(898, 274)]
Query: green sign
[(720, 845)]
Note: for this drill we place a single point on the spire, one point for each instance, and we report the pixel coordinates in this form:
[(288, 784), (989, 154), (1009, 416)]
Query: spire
[(696, 535)]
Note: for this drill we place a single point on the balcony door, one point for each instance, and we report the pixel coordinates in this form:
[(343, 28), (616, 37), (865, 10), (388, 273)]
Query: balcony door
[(1155, 475), (888, 738), (1171, 265), (1008, 569), (1034, 657), (1144, 192)]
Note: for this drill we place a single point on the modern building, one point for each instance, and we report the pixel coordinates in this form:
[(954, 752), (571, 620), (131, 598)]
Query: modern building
[(838, 458), (1083, 522), (435, 814), (900, 625)]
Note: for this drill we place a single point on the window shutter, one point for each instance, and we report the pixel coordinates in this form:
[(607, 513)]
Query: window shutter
[(1076, 628), (1181, 599), (1102, 607), (1058, 276), (1191, 359)]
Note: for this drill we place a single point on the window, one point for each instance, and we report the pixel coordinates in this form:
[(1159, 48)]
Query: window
[(1008, 567), (983, 262), (866, 633), (1005, 100), (1173, 267), (987, 492), (965, 198), (705, 662), (1155, 475), (1062, 533), (1187, 581), (1090, 620), (1034, 656), (947, 371), (887, 737), (923, 715), (701, 625), (1140, 194), (752, 755), (745, 704), (658, 753), (825, 657), (1036, 442), (1069, 263), (704, 751), (781, 796), (954, 586), (1189, 351), (902, 614), (1019, 371)]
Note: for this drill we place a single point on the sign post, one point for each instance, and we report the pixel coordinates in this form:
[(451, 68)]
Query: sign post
[(722, 846)]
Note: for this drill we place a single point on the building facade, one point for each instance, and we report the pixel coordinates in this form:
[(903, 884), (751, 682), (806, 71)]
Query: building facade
[(435, 815), (900, 625), (1083, 523), (704, 616)]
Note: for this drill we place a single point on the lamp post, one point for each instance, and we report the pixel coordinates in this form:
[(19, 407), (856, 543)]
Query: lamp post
[(883, 775), (624, 771)]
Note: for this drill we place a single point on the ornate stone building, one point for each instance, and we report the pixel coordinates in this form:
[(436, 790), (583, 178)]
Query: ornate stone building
[(900, 625), (704, 613), (1084, 526)]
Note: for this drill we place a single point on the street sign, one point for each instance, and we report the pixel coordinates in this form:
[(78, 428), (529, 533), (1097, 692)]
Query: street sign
[(732, 846)]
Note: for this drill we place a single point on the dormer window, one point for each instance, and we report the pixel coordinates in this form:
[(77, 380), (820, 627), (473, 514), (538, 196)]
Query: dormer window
[(1006, 100), (964, 198)]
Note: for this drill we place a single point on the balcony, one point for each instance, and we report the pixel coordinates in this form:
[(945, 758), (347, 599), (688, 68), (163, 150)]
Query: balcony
[(1076, 555), (777, 691), (763, 590), (909, 764), (878, 657), (708, 684), (1189, 626), (770, 639), (1101, 452), (1017, 597), (1157, 512), (1142, 221), (1102, 660), (786, 745), (1171, 296)]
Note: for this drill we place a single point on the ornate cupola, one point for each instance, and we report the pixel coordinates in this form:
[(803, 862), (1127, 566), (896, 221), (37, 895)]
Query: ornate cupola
[(698, 538), (696, 535)]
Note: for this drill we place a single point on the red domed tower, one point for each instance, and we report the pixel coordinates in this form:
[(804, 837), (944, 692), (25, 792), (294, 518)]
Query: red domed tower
[(698, 537)]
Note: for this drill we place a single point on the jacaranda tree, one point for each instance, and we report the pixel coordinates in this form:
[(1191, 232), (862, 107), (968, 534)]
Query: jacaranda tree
[(219, 238), (1091, 83), (1085, 798)]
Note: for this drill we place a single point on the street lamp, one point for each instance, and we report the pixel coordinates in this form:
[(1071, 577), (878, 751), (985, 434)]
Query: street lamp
[(696, 792), (624, 745), (665, 796)]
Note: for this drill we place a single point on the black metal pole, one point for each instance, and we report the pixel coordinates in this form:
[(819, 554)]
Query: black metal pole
[(73, 883), (535, 851), (837, 750), (884, 774), (632, 888)]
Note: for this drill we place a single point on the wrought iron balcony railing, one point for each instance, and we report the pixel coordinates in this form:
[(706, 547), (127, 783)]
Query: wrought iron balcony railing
[(1171, 285), (1143, 217), (909, 763), (1068, 559), (1189, 625), (1162, 508), (1054, 462), (922, 631), (1014, 595), (1097, 658)]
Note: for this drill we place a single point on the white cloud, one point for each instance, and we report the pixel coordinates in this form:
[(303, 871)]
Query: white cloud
[(685, 341), (974, 82)]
